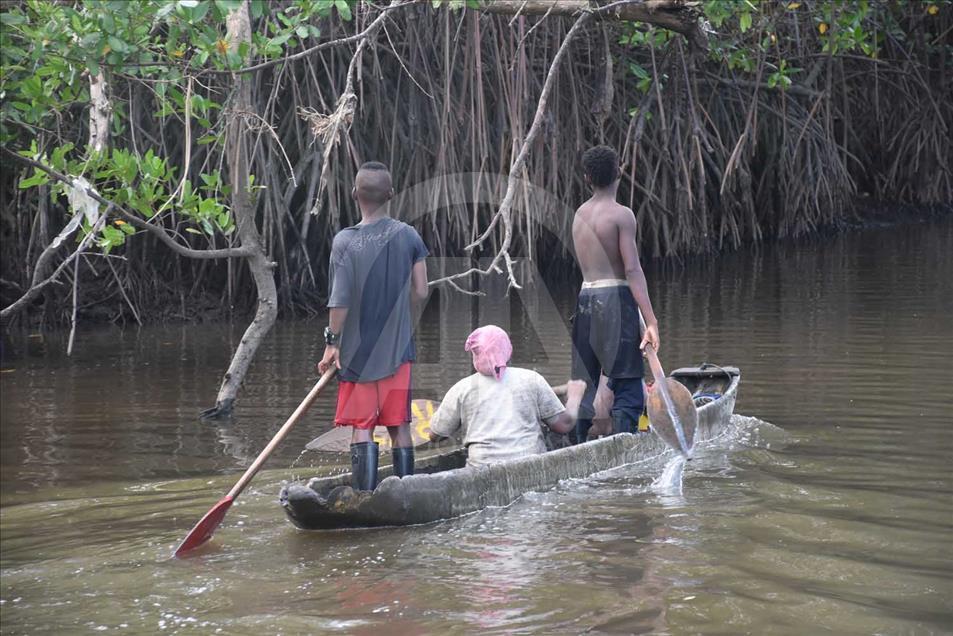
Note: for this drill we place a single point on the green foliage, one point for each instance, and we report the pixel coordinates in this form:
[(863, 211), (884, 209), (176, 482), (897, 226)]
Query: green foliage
[(456, 5), (639, 36), (749, 32), (50, 50), (781, 78), (145, 184)]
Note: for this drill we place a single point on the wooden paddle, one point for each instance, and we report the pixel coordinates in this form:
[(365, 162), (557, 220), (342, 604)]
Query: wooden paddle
[(338, 439), (203, 530), (672, 412)]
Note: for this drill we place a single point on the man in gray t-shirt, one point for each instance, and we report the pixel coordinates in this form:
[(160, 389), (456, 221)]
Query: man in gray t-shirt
[(501, 409), (370, 274), (377, 267)]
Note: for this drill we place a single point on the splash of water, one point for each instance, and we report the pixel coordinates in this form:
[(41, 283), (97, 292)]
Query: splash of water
[(670, 481), (298, 459)]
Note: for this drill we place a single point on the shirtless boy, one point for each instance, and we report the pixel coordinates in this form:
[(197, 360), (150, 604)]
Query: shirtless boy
[(605, 332), (377, 269)]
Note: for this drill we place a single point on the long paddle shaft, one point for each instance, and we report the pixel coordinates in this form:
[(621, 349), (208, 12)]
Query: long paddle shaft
[(662, 385), (203, 530)]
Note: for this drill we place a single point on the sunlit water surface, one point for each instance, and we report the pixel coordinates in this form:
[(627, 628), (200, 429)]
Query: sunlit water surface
[(827, 508)]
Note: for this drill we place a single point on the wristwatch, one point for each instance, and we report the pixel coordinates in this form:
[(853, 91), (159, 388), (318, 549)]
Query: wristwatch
[(330, 338)]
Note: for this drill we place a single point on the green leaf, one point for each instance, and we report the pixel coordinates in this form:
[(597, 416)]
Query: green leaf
[(165, 10), (638, 71), (39, 178), (208, 206), (229, 5), (11, 19), (192, 230), (343, 9), (58, 158), (116, 44), (280, 39), (745, 22)]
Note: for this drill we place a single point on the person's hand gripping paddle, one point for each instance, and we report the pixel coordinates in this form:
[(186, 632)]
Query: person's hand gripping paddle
[(207, 525), (672, 412)]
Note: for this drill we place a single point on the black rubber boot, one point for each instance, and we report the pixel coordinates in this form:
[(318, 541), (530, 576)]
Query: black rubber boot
[(403, 461), (364, 465), (580, 434), (622, 423)]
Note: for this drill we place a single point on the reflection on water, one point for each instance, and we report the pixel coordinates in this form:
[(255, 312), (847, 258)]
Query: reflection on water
[(836, 517)]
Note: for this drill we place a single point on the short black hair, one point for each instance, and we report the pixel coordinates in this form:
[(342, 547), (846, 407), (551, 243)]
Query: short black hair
[(373, 182), (601, 165)]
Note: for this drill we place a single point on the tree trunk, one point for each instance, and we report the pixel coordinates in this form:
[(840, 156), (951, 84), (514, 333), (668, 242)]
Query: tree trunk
[(237, 154)]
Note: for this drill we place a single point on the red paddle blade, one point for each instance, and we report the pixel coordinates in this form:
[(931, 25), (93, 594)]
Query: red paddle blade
[(206, 526)]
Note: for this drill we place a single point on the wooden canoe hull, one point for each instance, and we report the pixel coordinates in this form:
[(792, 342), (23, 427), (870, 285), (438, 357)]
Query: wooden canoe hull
[(441, 490)]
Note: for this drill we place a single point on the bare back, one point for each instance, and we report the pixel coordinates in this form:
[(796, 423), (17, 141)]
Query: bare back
[(596, 230)]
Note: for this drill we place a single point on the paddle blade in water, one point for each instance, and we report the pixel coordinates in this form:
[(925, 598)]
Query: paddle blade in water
[(661, 421), (206, 526)]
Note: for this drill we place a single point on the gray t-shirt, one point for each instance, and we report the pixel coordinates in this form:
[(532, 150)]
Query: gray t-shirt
[(500, 419), (370, 274)]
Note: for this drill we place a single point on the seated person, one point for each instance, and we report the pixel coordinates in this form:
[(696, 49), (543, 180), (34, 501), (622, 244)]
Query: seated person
[(501, 410)]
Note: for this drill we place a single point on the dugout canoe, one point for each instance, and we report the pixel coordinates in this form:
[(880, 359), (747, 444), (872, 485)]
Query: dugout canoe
[(443, 487)]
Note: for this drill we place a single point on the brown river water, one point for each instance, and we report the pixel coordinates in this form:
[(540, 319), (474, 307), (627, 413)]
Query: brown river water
[(827, 509)]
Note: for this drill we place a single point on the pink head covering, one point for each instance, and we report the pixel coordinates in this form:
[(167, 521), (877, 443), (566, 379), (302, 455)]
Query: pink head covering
[(491, 350)]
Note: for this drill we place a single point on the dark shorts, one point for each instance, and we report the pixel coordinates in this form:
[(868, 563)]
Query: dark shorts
[(384, 402), (605, 339)]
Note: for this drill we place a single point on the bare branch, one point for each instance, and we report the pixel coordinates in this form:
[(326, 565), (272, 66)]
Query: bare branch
[(328, 128), (504, 214), (14, 308), (450, 280)]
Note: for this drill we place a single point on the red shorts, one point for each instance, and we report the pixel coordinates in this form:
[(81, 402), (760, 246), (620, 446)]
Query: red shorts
[(384, 402)]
